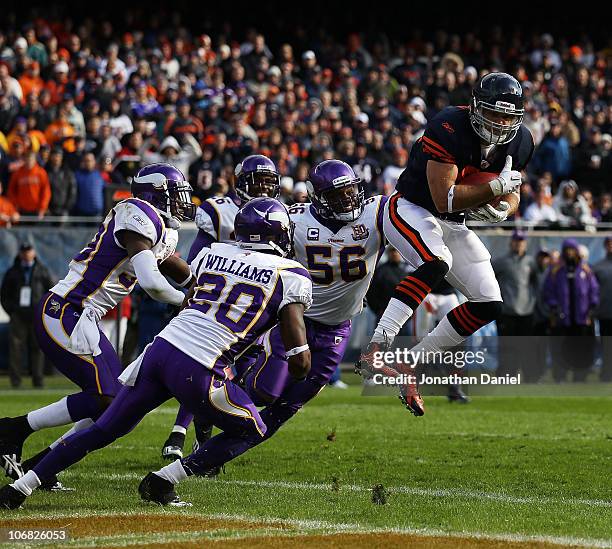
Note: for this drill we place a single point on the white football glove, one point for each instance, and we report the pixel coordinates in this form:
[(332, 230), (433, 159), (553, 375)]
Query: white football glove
[(508, 181), (489, 214)]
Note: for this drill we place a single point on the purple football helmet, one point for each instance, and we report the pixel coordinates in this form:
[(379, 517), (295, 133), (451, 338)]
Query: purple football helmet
[(264, 224), (335, 191), (256, 176), (165, 188)]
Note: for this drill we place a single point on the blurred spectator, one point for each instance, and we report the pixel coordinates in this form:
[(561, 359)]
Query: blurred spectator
[(11, 89), (23, 286), (546, 56), (286, 190), (366, 168), (63, 184), (14, 160), (516, 273), (29, 189), (61, 132), (392, 172), (8, 213), (171, 152), (90, 188), (571, 208), (300, 193), (183, 122), (30, 81), (605, 208), (603, 272), (571, 293), (590, 167), (553, 154), (539, 211), (540, 343)]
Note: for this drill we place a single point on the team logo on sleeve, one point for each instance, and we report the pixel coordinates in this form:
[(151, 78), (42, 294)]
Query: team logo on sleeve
[(139, 220), (448, 127), (360, 232), (54, 307), (312, 233)]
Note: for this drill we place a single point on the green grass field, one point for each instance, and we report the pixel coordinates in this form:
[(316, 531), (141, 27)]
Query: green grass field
[(515, 469)]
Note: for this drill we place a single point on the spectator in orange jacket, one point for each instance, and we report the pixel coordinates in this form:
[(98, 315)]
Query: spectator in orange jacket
[(31, 81), (8, 213), (29, 189), (61, 132)]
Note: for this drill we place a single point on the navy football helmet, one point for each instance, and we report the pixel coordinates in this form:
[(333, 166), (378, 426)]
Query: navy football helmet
[(166, 189), (264, 224), (497, 109), (335, 191), (257, 176)]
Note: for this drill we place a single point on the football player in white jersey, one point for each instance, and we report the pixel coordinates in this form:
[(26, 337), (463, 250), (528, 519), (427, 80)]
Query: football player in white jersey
[(135, 243), (256, 176), (338, 238), (240, 292)]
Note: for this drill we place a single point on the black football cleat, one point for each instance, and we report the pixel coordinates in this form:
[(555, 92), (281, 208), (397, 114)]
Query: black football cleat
[(159, 490), (9, 462), (13, 432), (173, 447), (10, 498), (455, 394), (54, 485)]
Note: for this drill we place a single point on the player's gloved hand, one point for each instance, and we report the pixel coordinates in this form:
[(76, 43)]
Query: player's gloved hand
[(489, 214), (508, 181)]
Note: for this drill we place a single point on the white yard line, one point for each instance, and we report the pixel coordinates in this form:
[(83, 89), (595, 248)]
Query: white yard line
[(428, 492), (304, 527)]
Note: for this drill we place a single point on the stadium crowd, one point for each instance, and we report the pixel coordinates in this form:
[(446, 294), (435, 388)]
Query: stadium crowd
[(83, 106)]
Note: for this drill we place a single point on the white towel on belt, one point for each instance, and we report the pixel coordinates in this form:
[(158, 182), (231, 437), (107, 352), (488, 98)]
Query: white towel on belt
[(129, 375), (85, 338)]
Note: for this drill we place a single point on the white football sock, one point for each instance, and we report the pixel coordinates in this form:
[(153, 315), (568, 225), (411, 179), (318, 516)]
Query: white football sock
[(50, 416), (442, 337), (179, 429), (78, 426), (27, 483), (174, 473), (395, 316)]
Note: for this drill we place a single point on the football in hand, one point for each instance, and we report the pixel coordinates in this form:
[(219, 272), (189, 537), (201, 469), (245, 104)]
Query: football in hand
[(483, 178)]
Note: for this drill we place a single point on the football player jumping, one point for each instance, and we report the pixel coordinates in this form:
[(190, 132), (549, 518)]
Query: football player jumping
[(256, 176), (339, 239), (425, 218), (240, 292), (135, 243)]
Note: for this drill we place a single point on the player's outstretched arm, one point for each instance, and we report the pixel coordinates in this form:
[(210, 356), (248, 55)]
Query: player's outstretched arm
[(293, 333), (147, 271)]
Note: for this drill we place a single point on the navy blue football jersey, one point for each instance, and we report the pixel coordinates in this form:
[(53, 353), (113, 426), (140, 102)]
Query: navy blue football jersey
[(449, 138)]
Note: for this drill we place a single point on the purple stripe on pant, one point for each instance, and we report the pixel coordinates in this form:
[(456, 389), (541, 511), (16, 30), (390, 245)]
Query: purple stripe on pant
[(165, 372)]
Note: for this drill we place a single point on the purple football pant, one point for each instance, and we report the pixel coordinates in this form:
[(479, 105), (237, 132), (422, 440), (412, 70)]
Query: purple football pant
[(54, 320), (165, 372), (184, 417), (270, 384)]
